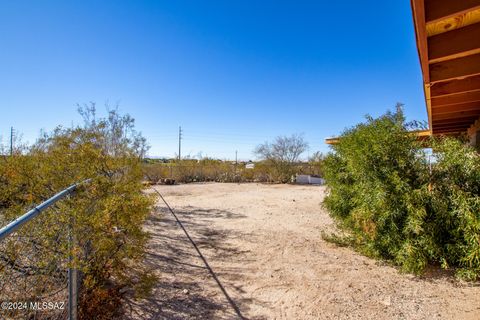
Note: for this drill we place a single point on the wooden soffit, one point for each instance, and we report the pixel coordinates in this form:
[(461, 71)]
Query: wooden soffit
[(448, 41)]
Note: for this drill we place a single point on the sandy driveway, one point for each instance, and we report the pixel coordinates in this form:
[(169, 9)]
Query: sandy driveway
[(264, 245)]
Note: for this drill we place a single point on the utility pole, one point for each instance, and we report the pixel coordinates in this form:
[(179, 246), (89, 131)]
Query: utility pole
[(179, 143), (11, 141), (236, 161)]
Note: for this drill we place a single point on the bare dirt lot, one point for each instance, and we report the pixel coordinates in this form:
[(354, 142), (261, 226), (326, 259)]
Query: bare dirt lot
[(264, 245)]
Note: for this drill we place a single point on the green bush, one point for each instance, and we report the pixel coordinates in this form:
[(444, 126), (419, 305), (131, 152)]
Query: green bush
[(399, 206), (456, 204)]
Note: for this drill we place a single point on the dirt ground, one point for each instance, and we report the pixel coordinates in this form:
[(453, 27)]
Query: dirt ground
[(263, 244)]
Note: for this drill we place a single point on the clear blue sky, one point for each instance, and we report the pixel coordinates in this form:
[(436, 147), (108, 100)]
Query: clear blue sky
[(232, 73)]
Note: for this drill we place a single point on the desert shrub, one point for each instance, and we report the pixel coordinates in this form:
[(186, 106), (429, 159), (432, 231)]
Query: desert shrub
[(266, 171), (186, 171), (281, 155), (456, 203), (398, 206), (376, 177), (107, 214), (207, 170), (153, 172)]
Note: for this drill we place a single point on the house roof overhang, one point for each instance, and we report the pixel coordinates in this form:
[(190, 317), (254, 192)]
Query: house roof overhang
[(447, 34), (420, 134), (448, 41)]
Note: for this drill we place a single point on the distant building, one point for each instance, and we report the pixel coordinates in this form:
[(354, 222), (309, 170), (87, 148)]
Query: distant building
[(250, 165)]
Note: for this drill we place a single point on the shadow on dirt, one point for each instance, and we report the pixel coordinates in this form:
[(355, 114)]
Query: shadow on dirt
[(186, 289)]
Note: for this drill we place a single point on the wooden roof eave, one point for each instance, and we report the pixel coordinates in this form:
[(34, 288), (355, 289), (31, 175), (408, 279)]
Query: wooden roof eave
[(418, 9), (420, 134), (447, 33)]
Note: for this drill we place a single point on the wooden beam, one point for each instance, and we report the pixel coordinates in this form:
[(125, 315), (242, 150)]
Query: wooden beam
[(449, 134), (452, 22), (436, 9), (468, 106), (453, 115), (420, 134), (473, 96), (454, 132), (453, 128), (455, 86), (457, 122), (419, 23), (418, 10), (428, 101), (454, 44), (332, 140), (455, 69), (457, 119), (462, 122), (463, 130), (454, 125), (449, 131)]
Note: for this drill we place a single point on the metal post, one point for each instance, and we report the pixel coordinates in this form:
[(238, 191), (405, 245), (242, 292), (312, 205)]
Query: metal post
[(236, 162), (179, 143), (72, 275)]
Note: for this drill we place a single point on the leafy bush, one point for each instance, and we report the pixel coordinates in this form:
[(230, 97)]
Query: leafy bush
[(400, 207), (153, 172), (456, 204), (107, 214)]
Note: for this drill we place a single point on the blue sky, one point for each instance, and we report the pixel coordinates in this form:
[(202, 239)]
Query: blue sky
[(232, 73)]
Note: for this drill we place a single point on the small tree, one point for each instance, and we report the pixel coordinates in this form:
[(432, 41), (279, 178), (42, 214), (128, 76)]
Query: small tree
[(281, 155)]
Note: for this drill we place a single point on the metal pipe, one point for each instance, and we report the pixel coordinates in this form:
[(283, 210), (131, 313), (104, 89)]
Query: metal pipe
[(17, 223)]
